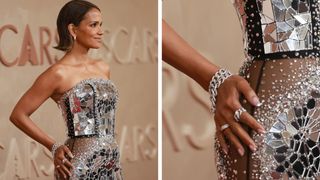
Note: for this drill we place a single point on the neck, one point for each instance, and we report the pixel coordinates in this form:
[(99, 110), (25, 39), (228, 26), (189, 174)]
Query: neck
[(79, 53)]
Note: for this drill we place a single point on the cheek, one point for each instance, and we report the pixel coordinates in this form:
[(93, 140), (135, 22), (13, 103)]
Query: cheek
[(86, 36)]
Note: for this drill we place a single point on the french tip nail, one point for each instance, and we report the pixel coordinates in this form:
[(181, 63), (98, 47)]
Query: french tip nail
[(256, 101), (225, 151), (253, 147), (241, 152), (259, 104), (262, 131)]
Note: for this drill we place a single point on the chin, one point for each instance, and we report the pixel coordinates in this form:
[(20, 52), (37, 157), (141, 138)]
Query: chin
[(96, 46)]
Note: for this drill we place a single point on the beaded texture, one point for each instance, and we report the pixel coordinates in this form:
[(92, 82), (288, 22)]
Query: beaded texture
[(54, 148), (281, 41), (217, 79), (89, 112)]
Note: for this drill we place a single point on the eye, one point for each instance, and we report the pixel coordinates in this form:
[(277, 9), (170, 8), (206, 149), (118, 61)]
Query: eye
[(93, 24)]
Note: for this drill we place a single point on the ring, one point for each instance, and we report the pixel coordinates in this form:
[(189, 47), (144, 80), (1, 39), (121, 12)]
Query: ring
[(238, 113), (64, 160), (57, 166), (223, 127)]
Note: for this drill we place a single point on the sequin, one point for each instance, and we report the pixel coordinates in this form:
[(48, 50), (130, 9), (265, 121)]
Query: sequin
[(282, 62), (89, 112)]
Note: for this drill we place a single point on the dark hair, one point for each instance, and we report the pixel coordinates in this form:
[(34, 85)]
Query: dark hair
[(71, 13)]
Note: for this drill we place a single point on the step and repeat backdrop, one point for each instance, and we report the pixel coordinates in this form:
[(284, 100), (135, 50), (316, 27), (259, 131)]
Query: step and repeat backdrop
[(27, 36), (212, 28)]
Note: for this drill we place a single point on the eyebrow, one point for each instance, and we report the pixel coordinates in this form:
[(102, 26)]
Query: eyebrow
[(95, 21)]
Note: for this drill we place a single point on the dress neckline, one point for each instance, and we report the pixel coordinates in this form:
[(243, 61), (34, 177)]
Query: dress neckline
[(64, 94)]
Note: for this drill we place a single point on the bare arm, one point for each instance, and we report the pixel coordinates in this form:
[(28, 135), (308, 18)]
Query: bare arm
[(178, 53), (183, 57), (44, 86), (39, 92)]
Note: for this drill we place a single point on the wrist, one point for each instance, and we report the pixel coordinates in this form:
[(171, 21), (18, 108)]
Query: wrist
[(54, 148), (216, 81)]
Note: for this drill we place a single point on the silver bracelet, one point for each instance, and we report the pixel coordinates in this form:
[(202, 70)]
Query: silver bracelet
[(55, 146), (217, 79)]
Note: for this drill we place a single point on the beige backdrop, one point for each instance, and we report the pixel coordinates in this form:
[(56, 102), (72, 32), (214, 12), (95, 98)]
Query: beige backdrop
[(211, 27), (130, 47)]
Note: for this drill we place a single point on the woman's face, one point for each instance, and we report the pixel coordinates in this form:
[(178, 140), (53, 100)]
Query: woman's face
[(89, 32)]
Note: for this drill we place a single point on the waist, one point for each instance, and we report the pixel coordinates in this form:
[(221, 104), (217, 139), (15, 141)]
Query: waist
[(90, 128), (283, 66), (85, 143)]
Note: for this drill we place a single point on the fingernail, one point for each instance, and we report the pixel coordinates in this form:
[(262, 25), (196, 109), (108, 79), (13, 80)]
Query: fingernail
[(252, 147), (225, 151), (256, 101), (240, 151), (261, 131)]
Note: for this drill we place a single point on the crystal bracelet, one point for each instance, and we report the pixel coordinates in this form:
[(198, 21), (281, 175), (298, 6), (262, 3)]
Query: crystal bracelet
[(55, 146), (217, 79)]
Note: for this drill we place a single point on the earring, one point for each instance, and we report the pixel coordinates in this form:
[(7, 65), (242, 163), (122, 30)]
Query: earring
[(74, 38)]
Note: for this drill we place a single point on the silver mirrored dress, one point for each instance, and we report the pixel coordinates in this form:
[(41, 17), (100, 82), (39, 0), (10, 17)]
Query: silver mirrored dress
[(89, 112), (281, 41)]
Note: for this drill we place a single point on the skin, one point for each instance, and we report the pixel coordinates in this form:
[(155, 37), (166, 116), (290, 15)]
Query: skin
[(60, 77), (178, 53)]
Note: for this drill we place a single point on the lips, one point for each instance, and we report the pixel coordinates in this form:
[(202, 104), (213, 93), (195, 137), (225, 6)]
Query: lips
[(98, 39)]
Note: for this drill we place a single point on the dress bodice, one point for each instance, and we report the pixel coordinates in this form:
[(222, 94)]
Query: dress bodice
[(275, 29), (89, 108)]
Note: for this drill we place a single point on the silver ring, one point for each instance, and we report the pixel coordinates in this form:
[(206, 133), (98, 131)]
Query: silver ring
[(223, 127), (58, 166), (238, 113), (64, 160)]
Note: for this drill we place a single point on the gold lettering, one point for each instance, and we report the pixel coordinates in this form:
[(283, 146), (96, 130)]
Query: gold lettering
[(45, 45), (114, 38), (134, 47), (151, 154), (3, 60), (149, 46), (14, 166), (170, 94), (28, 51), (125, 150), (138, 138)]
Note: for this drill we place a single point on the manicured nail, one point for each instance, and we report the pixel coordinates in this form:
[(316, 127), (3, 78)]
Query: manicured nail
[(261, 131), (240, 151), (225, 151), (252, 147), (256, 101), (259, 104)]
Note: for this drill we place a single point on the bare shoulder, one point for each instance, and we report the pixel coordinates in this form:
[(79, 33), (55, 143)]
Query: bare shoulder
[(103, 66), (52, 76)]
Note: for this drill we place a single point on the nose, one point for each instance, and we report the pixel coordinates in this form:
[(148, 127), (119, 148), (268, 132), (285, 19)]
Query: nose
[(100, 32)]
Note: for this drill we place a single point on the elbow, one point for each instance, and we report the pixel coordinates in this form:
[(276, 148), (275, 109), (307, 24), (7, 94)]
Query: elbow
[(14, 118)]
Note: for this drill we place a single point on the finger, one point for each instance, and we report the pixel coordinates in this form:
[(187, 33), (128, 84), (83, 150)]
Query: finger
[(252, 123), (237, 129), (61, 172), (68, 164), (244, 87), (247, 119), (66, 170), (234, 140), (222, 142), (67, 150), (243, 135)]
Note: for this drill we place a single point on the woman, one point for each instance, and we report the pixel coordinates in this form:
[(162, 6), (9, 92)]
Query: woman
[(278, 138), (87, 98)]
